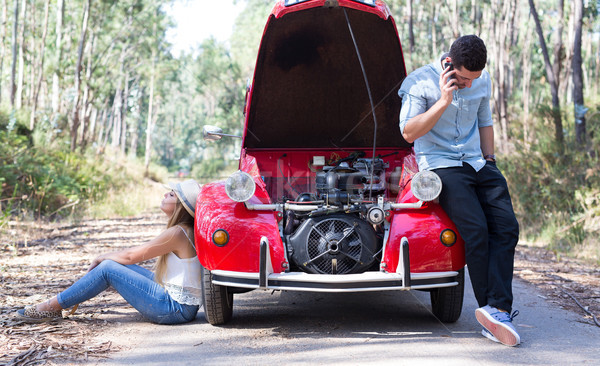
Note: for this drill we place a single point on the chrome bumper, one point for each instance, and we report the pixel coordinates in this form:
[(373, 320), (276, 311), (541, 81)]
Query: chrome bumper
[(403, 279)]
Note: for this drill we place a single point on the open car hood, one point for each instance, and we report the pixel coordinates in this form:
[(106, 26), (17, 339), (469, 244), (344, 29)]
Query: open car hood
[(308, 89)]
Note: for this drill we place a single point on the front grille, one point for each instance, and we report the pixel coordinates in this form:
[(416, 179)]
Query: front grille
[(334, 246)]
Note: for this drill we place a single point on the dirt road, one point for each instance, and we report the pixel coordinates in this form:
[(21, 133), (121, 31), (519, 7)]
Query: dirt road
[(555, 299)]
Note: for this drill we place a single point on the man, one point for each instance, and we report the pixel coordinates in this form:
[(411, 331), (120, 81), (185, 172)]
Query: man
[(446, 113)]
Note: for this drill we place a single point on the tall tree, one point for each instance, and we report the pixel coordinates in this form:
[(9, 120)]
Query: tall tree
[(503, 30), (40, 71), (580, 109), (75, 113), (550, 75), (60, 12), (2, 42), (411, 33), (21, 72), (13, 67)]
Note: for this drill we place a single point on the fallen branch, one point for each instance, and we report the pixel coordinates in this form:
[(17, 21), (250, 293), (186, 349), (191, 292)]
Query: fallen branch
[(65, 206), (582, 307)]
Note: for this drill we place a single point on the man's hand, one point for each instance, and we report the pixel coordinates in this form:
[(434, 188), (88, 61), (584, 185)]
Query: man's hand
[(447, 85), (422, 123)]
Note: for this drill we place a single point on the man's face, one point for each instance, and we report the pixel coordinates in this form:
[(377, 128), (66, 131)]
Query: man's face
[(464, 78)]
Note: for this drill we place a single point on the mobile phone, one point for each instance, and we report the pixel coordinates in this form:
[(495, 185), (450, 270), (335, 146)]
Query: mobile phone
[(446, 64)]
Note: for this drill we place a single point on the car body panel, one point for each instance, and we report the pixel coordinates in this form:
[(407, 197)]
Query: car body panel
[(309, 108)]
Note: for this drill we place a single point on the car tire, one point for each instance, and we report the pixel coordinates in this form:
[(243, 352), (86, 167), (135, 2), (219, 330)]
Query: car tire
[(217, 301), (446, 302)]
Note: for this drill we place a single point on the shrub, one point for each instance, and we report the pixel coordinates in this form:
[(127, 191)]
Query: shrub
[(555, 191)]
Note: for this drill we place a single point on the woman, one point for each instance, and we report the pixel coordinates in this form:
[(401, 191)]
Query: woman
[(170, 295)]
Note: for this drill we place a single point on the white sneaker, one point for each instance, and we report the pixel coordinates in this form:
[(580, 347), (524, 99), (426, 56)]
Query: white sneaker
[(499, 324)]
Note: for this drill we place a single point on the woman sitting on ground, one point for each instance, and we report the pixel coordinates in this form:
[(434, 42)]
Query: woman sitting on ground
[(170, 295)]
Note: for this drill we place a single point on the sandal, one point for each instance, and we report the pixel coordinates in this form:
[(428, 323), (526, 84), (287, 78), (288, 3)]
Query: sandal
[(30, 312)]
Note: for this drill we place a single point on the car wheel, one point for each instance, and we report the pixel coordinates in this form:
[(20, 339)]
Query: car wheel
[(446, 302), (218, 302)]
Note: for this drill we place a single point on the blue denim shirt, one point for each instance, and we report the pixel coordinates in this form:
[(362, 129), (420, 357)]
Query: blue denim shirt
[(455, 137)]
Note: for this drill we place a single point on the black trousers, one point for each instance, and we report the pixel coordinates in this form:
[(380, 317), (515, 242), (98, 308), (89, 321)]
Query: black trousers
[(480, 206)]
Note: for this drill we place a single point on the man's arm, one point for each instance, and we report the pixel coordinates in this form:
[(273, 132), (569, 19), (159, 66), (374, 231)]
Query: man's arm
[(486, 135), (420, 124)]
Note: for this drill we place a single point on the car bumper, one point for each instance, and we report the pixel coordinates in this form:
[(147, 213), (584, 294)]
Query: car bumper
[(403, 279), (368, 281)]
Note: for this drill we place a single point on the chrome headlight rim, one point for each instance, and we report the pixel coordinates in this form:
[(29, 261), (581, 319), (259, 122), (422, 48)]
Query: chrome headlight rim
[(426, 186), (240, 186)]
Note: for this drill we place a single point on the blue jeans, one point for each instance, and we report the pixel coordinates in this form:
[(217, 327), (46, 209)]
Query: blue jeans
[(480, 206), (137, 287)]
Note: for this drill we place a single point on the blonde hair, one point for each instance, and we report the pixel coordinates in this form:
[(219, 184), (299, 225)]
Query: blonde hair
[(180, 217)]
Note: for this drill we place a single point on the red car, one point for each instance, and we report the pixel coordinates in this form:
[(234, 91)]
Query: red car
[(328, 196)]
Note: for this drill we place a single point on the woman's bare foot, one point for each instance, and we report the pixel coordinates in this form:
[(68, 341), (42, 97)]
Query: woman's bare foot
[(49, 305)]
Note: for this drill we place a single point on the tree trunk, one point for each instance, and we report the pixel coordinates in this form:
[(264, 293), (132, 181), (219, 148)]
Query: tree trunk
[(104, 120), (2, 42), (123, 112), (526, 85), (13, 67), (60, 11), (93, 120), (580, 110), (32, 55), (75, 113), (21, 72), (558, 128), (116, 116), (558, 43), (88, 96), (411, 34), (434, 40), (453, 17), (40, 67), (136, 124), (566, 69), (502, 29), (150, 119)]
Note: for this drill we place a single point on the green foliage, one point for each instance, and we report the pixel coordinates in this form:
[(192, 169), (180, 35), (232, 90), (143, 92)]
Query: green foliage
[(37, 181), (205, 88), (556, 192), (41, 182), (247, 33)]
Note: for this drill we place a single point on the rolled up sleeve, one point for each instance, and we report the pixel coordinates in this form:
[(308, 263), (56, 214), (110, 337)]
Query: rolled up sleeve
[(484, 113), (412, 103)]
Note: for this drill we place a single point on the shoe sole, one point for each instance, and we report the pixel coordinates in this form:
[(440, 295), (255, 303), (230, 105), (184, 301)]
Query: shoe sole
[(503, 334), (489, 336), (27, 319)]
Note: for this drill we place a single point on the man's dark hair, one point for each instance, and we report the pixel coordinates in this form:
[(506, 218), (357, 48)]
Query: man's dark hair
[(469, 52)]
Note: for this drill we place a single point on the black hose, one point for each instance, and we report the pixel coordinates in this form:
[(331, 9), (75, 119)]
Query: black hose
[(362, 67)]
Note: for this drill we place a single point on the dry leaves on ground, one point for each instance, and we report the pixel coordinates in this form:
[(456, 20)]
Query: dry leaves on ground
[(570, 283), (38, 260)]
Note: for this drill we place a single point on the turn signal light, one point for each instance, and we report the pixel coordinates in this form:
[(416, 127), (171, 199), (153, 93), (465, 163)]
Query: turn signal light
[(220, 237), (448, 237)]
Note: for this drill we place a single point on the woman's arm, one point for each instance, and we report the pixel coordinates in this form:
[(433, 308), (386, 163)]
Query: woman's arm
[(168, 241)]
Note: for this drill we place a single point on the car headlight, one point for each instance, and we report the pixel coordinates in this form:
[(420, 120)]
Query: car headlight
[(240, 186), (426, 186)]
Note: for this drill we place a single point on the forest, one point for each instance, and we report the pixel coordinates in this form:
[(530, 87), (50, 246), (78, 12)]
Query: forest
[(92, 99)]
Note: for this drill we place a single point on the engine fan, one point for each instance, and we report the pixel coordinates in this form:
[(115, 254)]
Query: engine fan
[(334, 244)]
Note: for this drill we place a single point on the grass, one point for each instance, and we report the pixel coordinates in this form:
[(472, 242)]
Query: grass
[(127, 200)]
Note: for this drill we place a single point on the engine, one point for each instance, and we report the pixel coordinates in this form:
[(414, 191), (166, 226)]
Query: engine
[(337, 235)]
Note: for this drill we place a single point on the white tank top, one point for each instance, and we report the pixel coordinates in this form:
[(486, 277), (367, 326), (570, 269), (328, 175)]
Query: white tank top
[(182, 278)]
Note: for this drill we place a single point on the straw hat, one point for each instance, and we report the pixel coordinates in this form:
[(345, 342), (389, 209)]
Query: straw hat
[(187, 192)]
